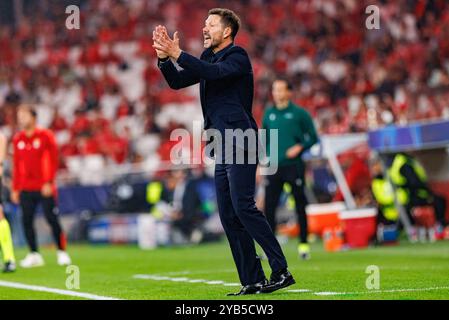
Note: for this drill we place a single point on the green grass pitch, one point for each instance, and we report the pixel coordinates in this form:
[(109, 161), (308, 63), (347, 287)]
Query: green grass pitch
[(407, 271)]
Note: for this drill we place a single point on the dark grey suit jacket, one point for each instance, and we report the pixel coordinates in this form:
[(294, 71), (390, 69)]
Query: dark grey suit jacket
[(226, 85)]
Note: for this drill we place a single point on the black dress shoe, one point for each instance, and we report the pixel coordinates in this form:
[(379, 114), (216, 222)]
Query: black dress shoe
[(278, 280), (250, 289)]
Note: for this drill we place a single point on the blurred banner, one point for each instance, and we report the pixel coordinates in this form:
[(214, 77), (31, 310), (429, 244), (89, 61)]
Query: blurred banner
[(119, 197), (416, 136)]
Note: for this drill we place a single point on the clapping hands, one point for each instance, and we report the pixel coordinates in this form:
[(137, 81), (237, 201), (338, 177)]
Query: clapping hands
[(164, 45)]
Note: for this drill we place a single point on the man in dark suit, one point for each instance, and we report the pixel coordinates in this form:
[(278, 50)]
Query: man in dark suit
[(225, 75)]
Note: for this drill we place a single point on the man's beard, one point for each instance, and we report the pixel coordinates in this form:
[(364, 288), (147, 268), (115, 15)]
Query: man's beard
[(214, 43)]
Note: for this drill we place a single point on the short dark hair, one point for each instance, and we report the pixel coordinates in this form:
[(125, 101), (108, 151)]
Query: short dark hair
[(29, 108), (228, 18), (287, 83)]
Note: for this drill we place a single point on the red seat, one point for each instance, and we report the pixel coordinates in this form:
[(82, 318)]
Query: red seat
[(424, 216)]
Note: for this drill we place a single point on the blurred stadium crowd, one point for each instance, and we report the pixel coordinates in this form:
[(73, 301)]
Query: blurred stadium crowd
[(100, 90)]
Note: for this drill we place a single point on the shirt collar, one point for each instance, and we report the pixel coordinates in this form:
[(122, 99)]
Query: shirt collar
[(221, 53), (289, 106)]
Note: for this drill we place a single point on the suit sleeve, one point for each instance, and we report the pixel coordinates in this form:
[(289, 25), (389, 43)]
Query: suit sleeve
[(310, 134), (177, 79), (236, 64), (51, 162)]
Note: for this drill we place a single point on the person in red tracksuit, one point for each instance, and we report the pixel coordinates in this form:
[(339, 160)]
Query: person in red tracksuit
[(34, 171)]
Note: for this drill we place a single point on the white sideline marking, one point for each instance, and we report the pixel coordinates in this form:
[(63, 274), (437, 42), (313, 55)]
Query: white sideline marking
[(197, 280), (202, 272), (331, 293), (232, 284), (328, 293), (299, 290), (384, 291), (185, 279), (319, 293), (157, 278), (17, 285)]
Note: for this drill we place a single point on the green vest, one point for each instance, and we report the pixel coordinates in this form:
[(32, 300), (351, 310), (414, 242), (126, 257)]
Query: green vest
[(399, 180), (290, 199), (384, 195), (154, 193)]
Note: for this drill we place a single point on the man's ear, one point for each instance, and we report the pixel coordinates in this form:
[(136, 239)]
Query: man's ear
[(227, 32)]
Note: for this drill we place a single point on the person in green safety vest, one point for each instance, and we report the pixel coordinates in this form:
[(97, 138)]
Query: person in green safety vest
[(186, 202), (410, 177), (383, 193), (162, 196), (157, 192)]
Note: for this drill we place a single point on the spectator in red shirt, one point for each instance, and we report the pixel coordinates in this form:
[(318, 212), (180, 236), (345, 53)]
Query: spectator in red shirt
[(81, 124), (58, 122), (35, 165), (87, 145)]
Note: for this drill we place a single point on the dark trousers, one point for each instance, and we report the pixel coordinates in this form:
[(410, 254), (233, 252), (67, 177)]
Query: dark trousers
[(243, 222), (29, 200), (274, 186), (436, 201)]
